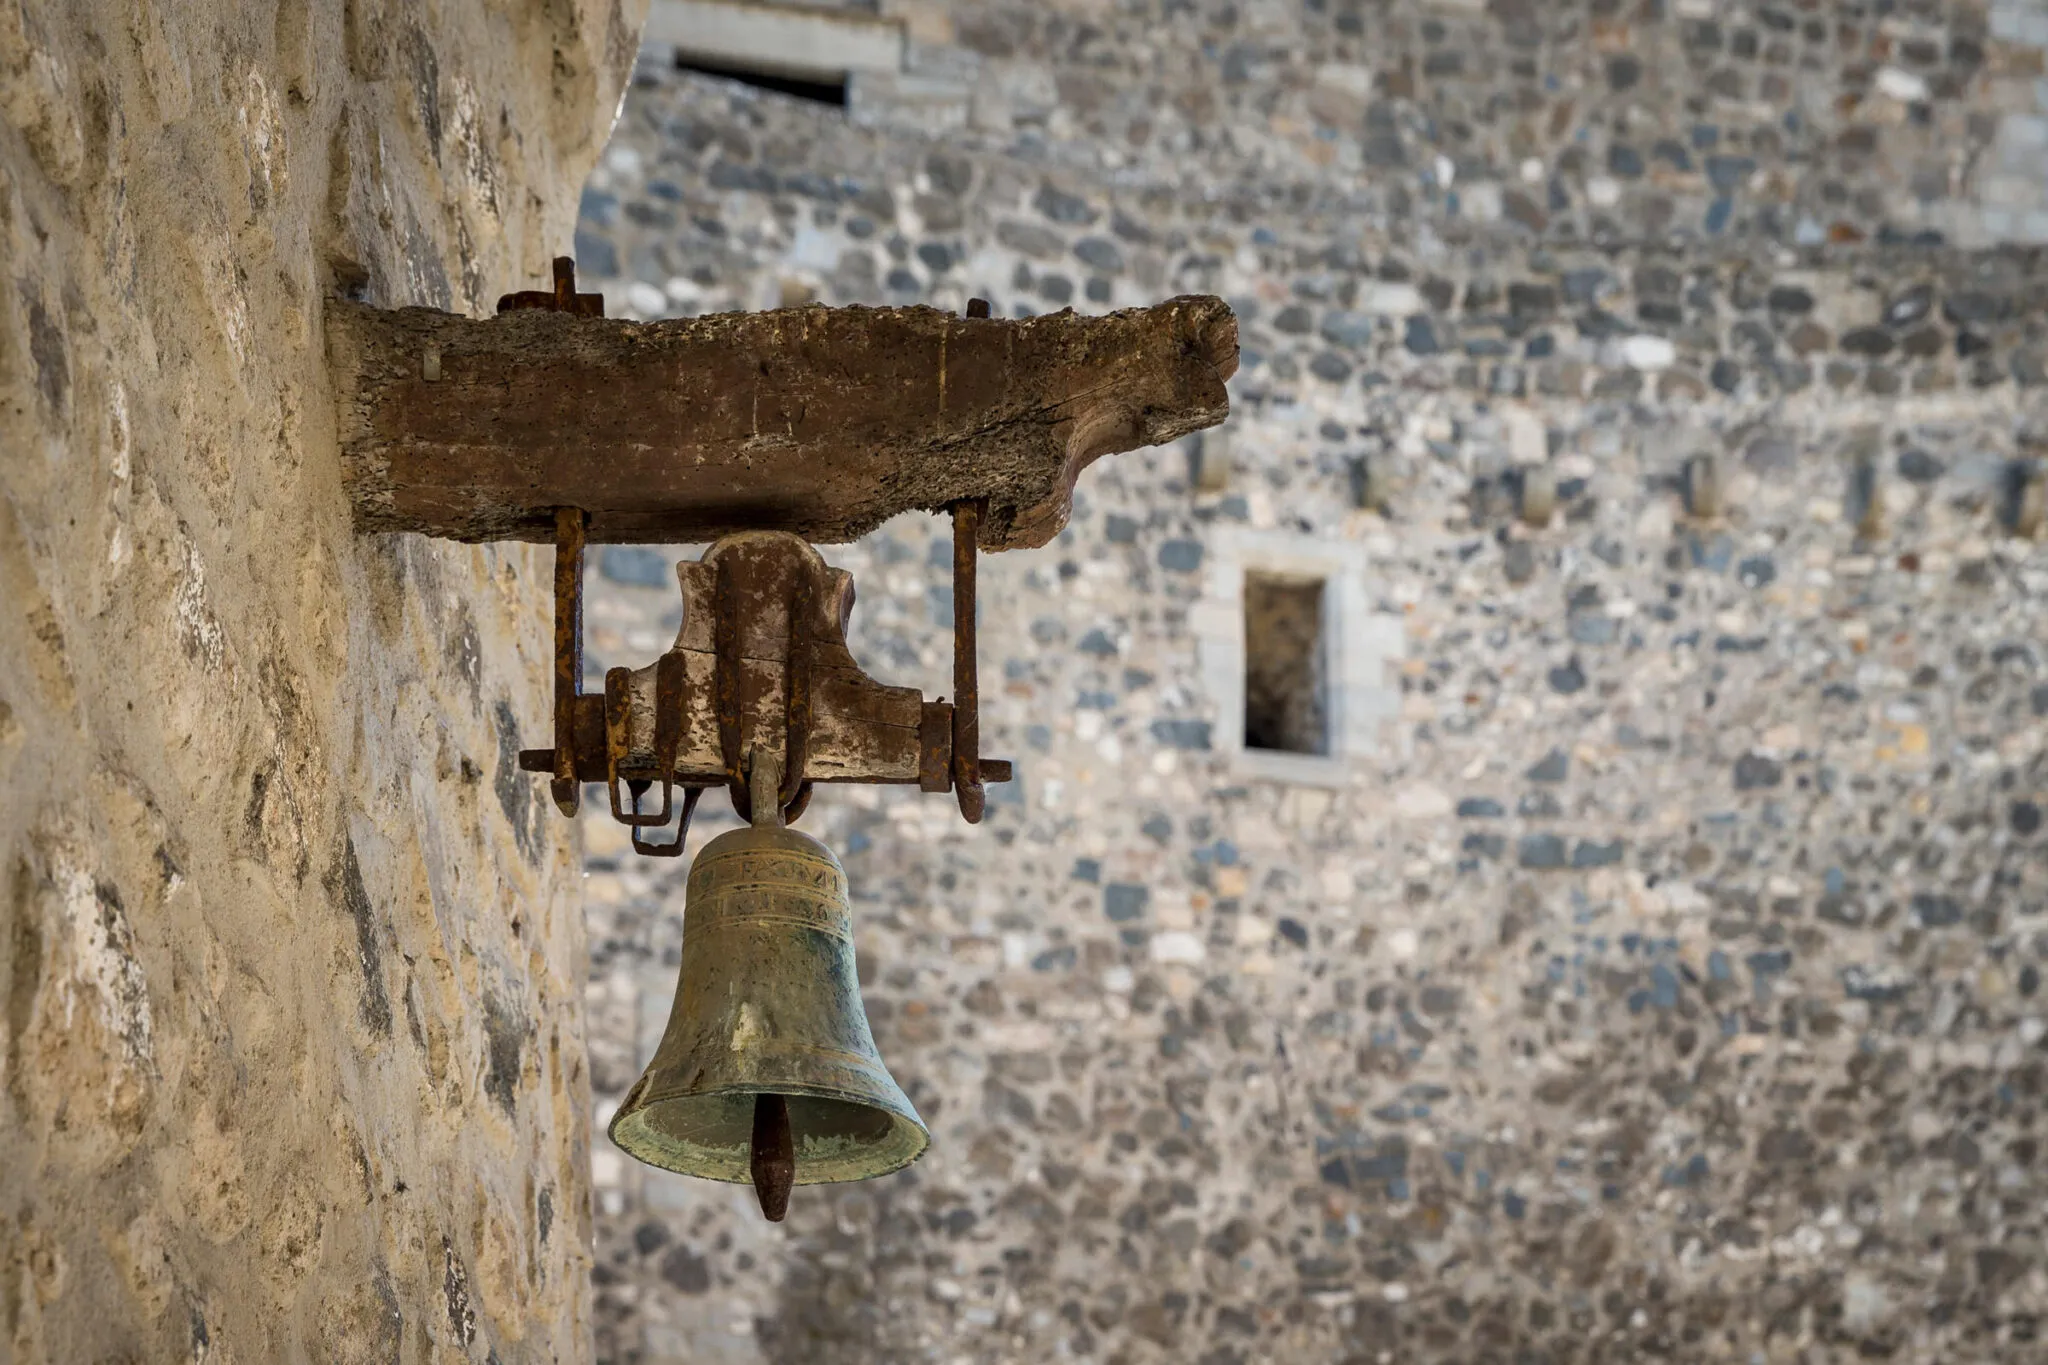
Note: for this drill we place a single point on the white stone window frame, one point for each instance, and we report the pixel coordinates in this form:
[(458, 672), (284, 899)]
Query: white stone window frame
[(1359, 646), (803, 42)]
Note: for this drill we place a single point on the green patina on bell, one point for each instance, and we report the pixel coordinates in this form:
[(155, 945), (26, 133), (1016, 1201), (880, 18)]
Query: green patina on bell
[(768, 1072)]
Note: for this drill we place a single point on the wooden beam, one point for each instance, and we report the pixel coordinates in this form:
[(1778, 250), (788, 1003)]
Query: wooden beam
[(823, 422)]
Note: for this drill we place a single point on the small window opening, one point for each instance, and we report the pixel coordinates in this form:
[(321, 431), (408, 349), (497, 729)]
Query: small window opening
[(1284, 667), (818, 91)]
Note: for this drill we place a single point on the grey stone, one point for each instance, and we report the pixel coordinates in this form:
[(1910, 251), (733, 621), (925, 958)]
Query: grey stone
[(1908, 308), (1753, 771), (1348, 329), (1125, 901), (1100, 253), (1935, 911), (1674, 154), (1917, 466), (1728, 174), (1540, 852), (1128, 228), (1923, 344), (1180, 556), (1329, 366), (1182, 734), (1593, 628), (1969, 306), (1584, 285), (1062, 207), (1294, 320), (1532, 300), (1713, 553), (1060, 959), (1586, 853), (1791, 299), (950, 172), (1487, 846), (732, 175), (1518, 561), (1419, 335), (1035, 240), (685, 1271)]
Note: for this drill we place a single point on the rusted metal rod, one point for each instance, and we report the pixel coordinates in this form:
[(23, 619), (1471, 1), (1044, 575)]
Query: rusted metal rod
[(563, 298), (569, 532), (966, 686), (725, 628)]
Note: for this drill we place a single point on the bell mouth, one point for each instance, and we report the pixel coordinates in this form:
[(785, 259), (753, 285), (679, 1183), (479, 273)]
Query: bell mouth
[(711, 1134)]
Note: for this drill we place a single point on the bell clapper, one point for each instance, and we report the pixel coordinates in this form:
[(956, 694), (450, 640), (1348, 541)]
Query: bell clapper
[(774, 1156)]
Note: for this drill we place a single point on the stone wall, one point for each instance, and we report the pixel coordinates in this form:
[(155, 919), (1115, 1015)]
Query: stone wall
[(291, 1055), (1664, 983)]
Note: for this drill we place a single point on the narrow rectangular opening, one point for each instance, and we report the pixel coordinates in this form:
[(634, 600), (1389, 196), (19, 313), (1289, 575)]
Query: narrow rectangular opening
[(1285, 670), (818, 90)]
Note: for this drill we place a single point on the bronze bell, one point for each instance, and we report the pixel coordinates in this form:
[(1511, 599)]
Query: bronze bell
[(767, 1071)]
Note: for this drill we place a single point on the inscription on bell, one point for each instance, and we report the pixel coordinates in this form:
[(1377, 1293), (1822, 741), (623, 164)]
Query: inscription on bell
[(777, 887)]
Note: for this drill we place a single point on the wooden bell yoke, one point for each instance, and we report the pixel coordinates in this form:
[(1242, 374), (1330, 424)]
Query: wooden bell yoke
[(765, 433)]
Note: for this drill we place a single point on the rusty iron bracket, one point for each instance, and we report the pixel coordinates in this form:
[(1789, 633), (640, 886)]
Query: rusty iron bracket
[(568, 654), (674, 847), (795, 791), (763, 649), (966, 686), (563, 298), (726, 669)]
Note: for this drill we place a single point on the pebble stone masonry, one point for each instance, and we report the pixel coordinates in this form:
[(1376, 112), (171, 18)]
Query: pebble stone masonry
[(1661, 980)]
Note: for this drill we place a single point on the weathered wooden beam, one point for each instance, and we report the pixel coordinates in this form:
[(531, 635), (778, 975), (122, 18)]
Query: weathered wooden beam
[(823, 422)]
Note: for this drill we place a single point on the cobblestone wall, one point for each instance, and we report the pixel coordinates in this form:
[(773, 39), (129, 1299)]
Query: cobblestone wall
[(1664, 982)]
